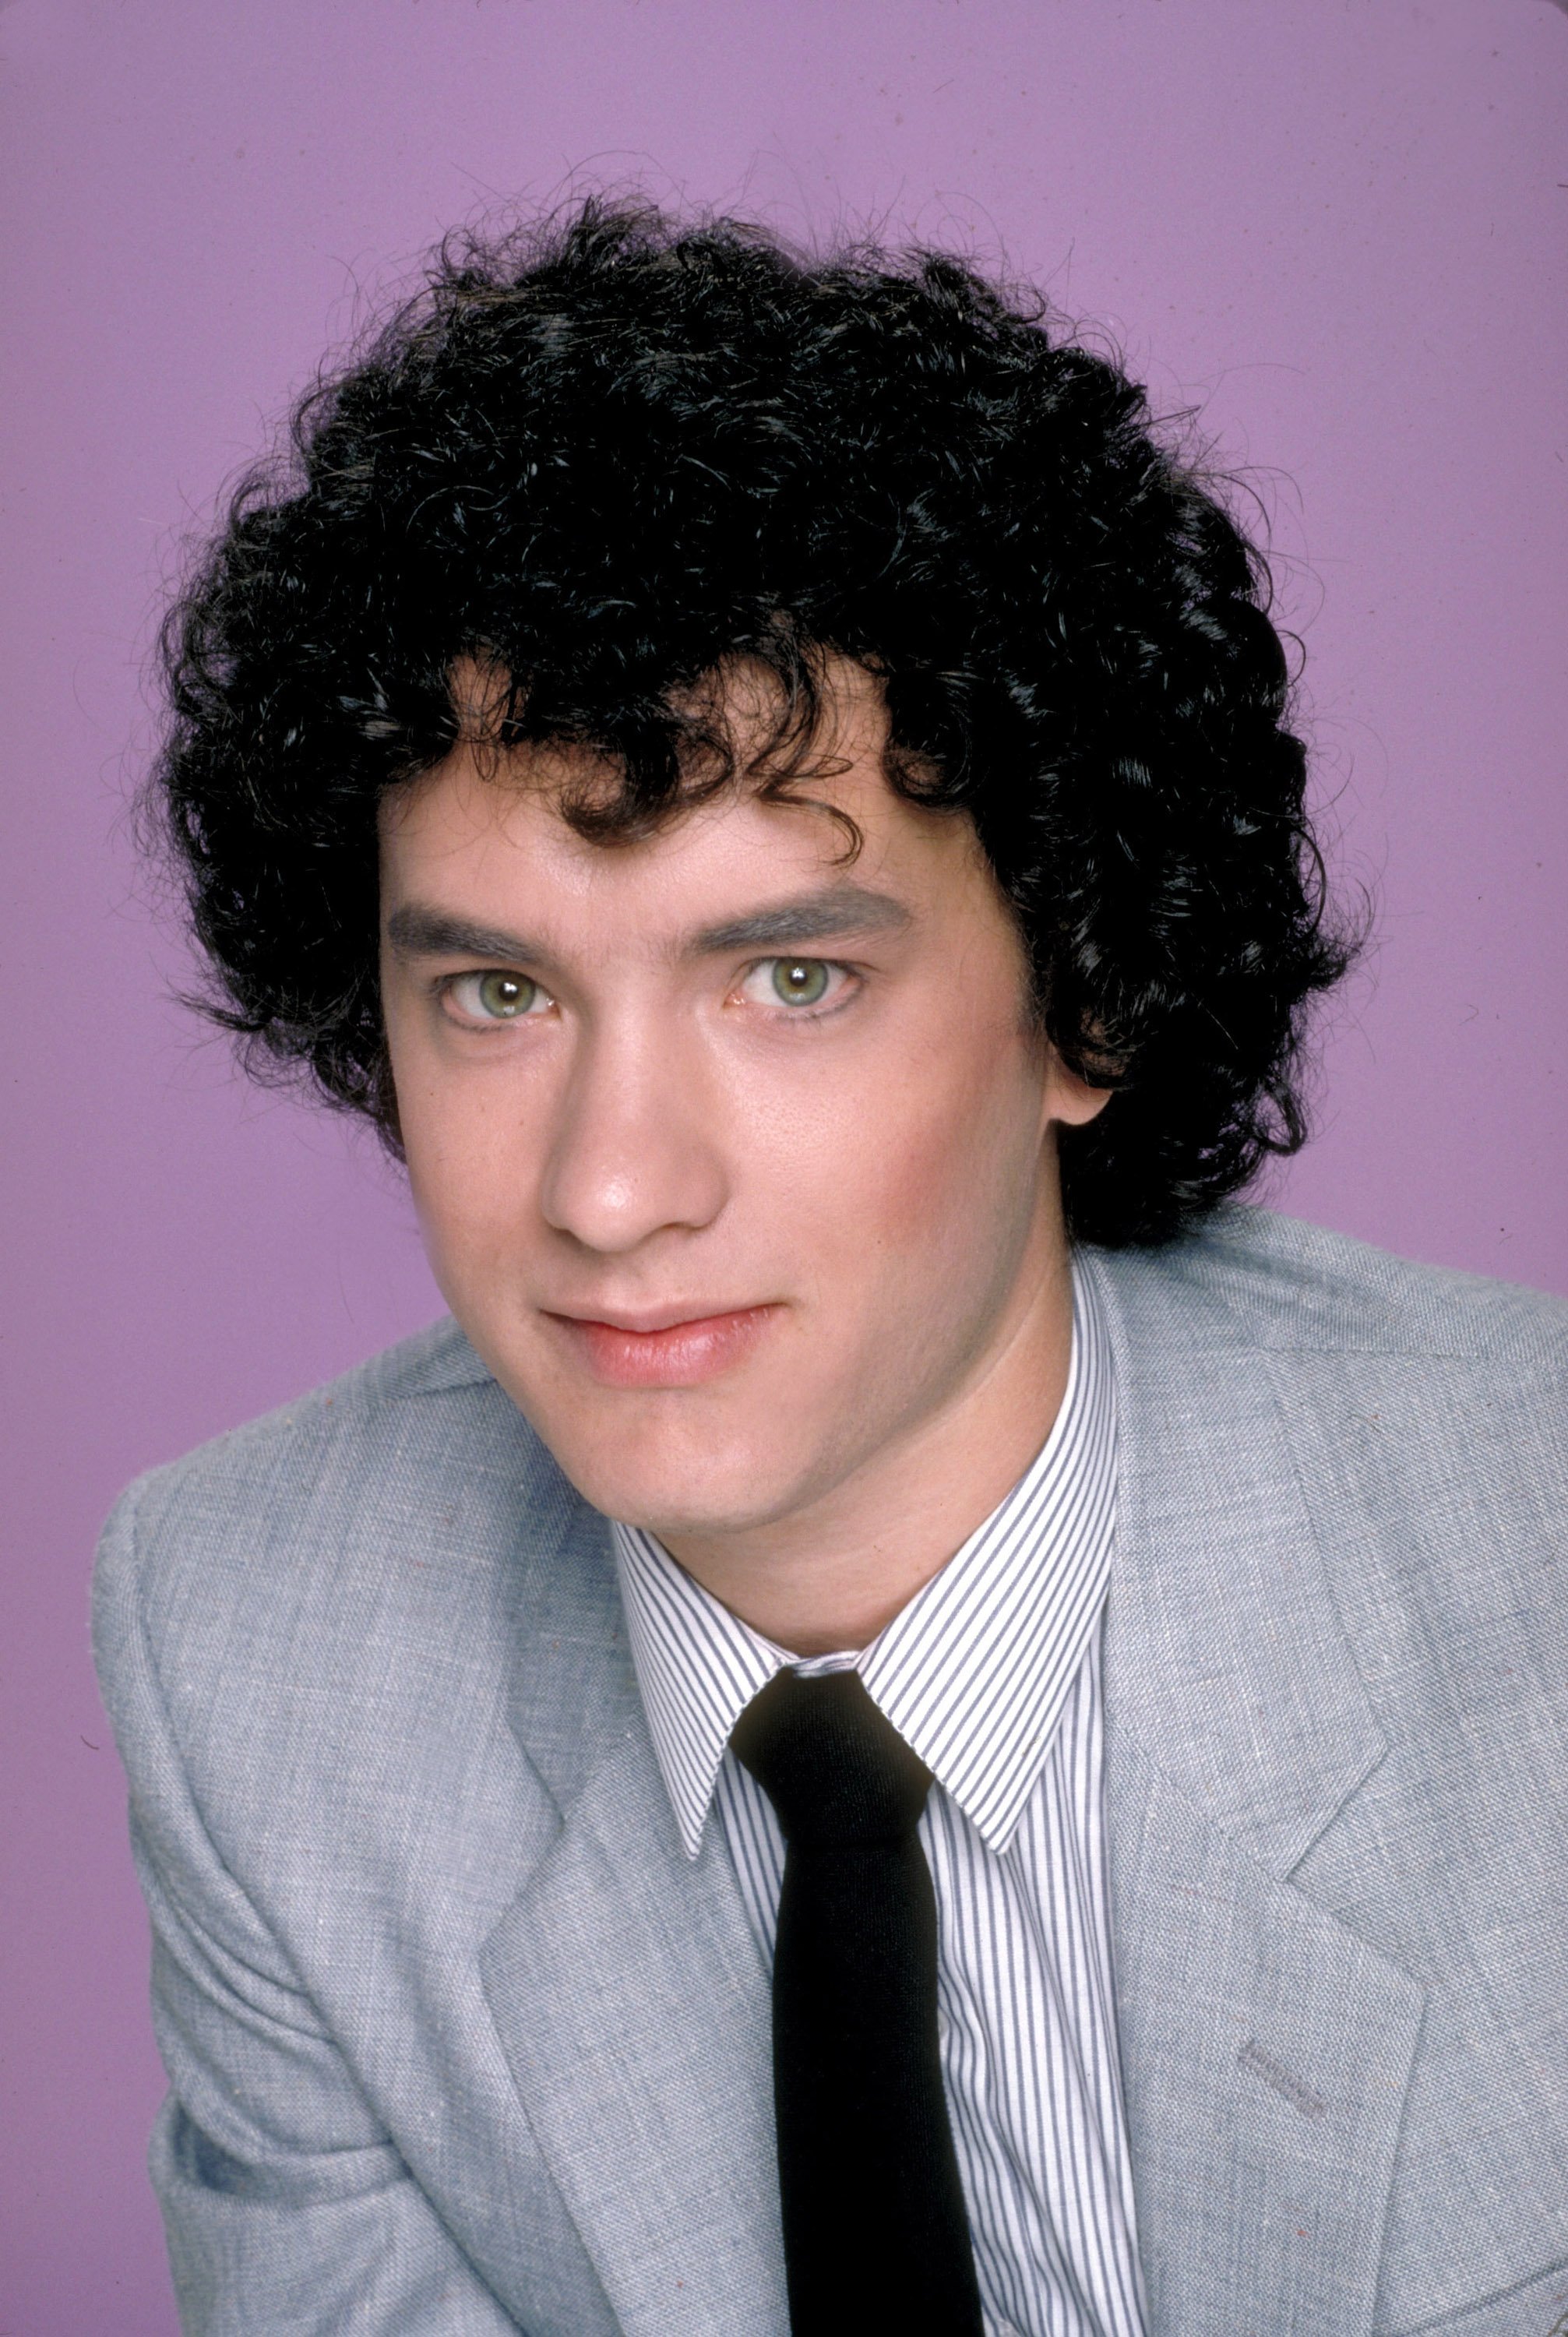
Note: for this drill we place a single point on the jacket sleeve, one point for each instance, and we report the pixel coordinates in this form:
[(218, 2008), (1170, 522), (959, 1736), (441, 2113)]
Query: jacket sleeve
[(286, 2206)]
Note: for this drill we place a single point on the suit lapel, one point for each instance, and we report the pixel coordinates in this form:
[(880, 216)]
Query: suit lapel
[(1266, 2050), (1267, 2056), (626, 1987)]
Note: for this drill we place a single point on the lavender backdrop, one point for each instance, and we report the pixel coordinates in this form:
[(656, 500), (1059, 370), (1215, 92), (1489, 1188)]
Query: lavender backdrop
[(1335, 227)]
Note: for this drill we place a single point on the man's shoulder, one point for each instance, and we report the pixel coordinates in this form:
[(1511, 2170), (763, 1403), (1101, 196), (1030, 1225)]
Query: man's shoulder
[(1251, 1276), (415, 1464), (375, 1416), (315, 1637)]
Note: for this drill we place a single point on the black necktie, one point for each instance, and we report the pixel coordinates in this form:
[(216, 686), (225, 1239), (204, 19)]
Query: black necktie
[(876, 2235)]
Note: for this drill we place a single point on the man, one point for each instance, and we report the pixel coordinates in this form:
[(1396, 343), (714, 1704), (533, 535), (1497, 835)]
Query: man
[(913, 1720)]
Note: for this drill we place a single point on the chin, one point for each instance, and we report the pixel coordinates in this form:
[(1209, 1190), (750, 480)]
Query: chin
[(672, 1484)]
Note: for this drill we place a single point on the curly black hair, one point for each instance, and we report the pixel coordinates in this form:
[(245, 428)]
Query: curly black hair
[(602, 458)]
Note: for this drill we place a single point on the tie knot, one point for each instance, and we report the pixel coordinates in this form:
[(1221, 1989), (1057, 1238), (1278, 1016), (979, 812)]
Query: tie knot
[(838, 1775)]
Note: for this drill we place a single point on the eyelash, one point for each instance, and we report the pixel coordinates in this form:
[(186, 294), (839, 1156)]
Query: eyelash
[(446, 984), (803, 1013)]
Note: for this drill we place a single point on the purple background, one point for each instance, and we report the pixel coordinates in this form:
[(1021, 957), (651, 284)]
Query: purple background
[(1337, 228)]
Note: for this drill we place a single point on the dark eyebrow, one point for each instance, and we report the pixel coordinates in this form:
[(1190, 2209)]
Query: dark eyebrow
[(811, 918), (415, 931)]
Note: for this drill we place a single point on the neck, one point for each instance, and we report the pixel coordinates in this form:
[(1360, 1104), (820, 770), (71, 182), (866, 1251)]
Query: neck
[(833, 1574)]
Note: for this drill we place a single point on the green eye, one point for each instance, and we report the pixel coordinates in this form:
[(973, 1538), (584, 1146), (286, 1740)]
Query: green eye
[(800, 981), (504, 995)]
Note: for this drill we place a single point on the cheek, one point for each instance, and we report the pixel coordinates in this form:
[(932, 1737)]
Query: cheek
[(944, 1165), (470, 1168)]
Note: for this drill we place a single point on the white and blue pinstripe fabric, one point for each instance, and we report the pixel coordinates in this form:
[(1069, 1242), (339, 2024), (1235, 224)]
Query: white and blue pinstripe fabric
[(992, 1674)]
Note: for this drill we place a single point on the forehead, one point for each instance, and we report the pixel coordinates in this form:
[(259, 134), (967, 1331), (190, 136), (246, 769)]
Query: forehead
[(483, 834)]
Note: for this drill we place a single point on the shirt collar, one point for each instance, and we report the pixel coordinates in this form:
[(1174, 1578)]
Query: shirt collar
[(973, 1673)]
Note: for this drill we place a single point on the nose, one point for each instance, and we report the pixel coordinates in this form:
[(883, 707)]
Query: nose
[(637, 1147)]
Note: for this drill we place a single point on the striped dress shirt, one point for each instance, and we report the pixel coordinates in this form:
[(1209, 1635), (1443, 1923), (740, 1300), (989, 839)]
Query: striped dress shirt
[(992, 1674)]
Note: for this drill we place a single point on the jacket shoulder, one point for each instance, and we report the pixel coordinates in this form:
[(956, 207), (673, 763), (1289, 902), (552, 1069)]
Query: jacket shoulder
[(415, 1457), (1253, 1276), (353, 1414)]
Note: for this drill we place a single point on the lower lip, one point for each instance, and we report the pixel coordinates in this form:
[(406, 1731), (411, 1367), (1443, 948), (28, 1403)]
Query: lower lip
[(683, 1355)]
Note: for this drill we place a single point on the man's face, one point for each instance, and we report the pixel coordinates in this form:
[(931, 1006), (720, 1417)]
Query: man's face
[(734, 1161)]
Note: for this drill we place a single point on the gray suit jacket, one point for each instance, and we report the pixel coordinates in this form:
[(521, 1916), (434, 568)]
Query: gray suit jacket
[(460, 2043)]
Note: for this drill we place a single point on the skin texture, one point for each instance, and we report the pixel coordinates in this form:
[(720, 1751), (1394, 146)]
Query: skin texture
[(858, 1180)]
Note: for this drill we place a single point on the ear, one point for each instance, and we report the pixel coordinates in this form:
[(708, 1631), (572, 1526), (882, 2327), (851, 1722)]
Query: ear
[(1068, 1101)]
